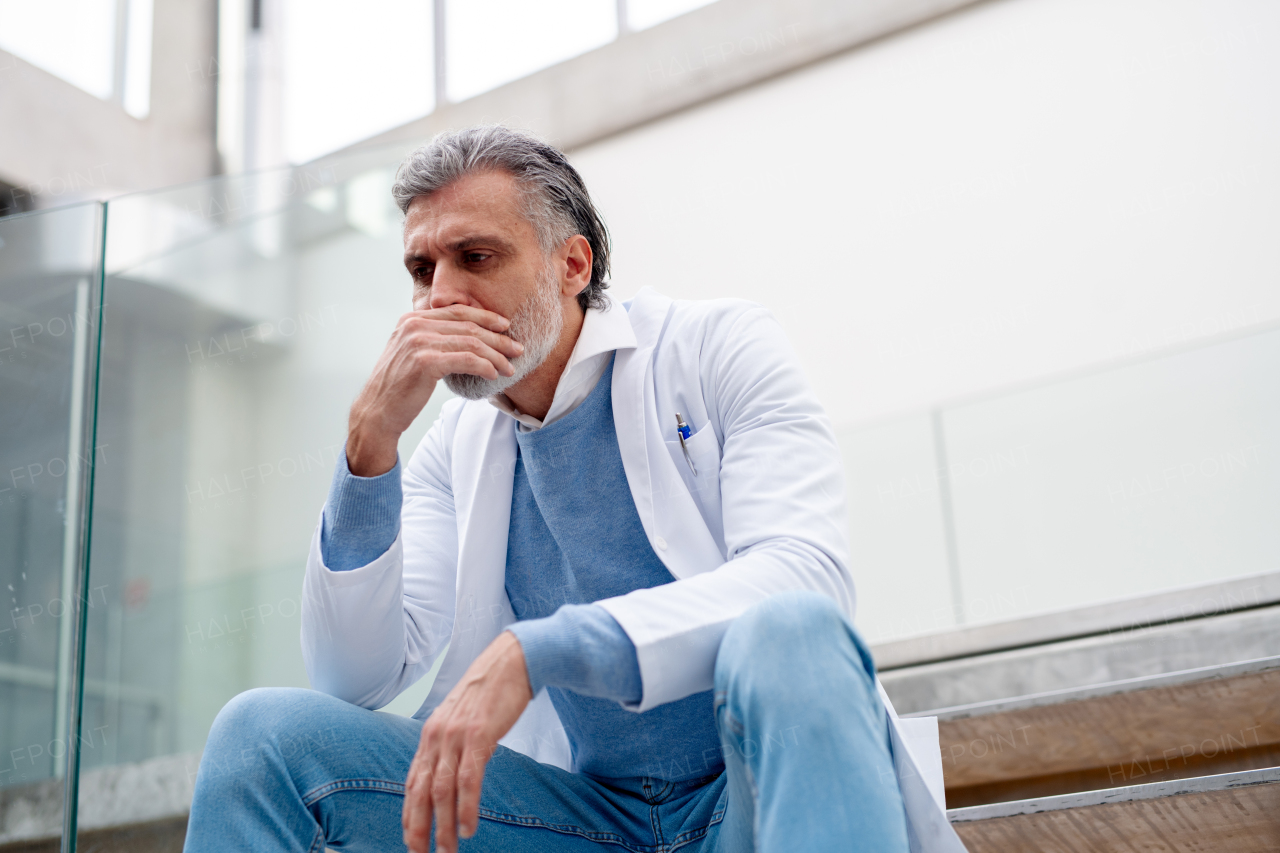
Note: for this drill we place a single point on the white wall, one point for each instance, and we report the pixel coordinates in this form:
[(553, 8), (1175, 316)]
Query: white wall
[(1013, 192)]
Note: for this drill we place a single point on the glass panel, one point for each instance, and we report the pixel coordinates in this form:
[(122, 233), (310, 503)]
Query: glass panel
[(1157, 475), (492, 42), (50, 267), (1125, 482), (243, 315), (896, 534)]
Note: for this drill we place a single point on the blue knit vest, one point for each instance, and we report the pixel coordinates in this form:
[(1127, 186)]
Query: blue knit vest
[(576, 538)]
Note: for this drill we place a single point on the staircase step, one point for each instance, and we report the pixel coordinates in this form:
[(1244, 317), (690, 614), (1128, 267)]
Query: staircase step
[(1239, 812), (1197, 722), (1175, 607), (1084, 661)]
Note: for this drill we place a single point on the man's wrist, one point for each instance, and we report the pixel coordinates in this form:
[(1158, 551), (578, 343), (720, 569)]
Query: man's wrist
[(580, 648), (361, 516), (523, 665), (371, 453)]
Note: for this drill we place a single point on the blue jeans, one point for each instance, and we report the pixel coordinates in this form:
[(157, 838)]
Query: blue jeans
[(805, 745)]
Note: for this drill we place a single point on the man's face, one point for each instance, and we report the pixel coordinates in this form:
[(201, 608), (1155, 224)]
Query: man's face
[(471, 244)]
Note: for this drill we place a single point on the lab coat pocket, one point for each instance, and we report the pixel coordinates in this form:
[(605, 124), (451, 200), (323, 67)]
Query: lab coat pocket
[(704, 486)]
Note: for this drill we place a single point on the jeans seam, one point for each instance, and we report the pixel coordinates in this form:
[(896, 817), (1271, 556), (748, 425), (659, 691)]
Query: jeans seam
[(318, 843), (605, 837), (691, 835), (377, 785), (656, 825), (567, 829), (721, 699), (735, 734)]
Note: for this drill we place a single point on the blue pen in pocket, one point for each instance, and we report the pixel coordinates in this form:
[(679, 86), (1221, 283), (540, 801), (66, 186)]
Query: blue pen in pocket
[(683, 431)]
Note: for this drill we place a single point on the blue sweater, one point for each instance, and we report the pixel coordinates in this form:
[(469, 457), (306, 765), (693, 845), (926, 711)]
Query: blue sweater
[(563, 538), (575, 538)]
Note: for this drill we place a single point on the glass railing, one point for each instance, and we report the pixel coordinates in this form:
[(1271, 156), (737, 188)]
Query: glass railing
[(1142, 477), (50, 282), (241, 316)]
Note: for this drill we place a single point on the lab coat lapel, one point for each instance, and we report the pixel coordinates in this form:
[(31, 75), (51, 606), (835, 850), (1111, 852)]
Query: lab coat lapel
[(670, 518), (482, 486), (484, 462), (630, 375), (484, 465)]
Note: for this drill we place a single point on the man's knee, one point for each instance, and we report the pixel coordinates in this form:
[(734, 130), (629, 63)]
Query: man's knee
[(270, 720), (786, 633), (263, 710), (262, 726)]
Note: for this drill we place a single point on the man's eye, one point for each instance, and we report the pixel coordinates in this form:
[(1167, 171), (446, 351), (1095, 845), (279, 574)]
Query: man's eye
[(476, 257)]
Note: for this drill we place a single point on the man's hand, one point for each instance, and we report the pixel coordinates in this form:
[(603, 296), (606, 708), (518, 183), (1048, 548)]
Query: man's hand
[(426, 346), (457, 741)]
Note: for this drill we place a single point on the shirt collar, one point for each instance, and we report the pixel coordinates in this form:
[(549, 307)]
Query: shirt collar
[(602, 331)]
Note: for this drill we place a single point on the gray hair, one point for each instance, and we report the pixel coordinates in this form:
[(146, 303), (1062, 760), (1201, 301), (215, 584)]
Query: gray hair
[(555, 199)]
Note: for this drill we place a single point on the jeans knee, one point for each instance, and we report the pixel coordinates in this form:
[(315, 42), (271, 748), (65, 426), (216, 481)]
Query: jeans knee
[(259, 727), (791, 634), (264, 714)]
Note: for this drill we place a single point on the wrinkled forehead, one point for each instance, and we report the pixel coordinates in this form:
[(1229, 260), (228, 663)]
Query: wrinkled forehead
[(489, 202)]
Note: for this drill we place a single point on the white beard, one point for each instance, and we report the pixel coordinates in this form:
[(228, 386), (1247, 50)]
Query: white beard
[(537, 324)]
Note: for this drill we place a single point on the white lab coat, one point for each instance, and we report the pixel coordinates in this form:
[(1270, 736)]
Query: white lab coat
[(765, 514)]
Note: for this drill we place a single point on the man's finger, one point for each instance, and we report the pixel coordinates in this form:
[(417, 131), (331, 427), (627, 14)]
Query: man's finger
[(497, 340), (417, 837), (415, 788), (469, 362), (469, 343), (417, 816), (444, 799), (470, 779), (480, 316)]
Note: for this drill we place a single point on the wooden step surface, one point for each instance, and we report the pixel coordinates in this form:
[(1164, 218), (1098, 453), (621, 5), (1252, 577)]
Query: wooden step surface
[(1235, 812), (1194, 723)]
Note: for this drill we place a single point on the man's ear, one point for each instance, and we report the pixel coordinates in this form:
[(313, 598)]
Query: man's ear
[(577, 263)]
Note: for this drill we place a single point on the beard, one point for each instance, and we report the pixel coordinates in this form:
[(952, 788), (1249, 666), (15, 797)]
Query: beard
[(537, 324)]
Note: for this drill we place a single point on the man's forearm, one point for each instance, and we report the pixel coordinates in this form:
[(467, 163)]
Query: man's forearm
[(580, 647), (583, 649), (361, 517)]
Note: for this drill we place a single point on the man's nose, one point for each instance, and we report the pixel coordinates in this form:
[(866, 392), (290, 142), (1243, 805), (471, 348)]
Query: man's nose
[(448, 287)]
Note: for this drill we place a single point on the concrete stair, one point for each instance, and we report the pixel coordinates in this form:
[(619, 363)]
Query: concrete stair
[(1198, 722), (1143, 724), (1182, 761), (1239, 812)]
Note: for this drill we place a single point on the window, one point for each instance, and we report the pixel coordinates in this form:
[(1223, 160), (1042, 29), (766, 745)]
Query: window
[(100, 46), (491, 42), (351, 72)]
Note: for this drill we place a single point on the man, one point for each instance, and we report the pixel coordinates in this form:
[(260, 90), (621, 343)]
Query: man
[(626, 538)]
